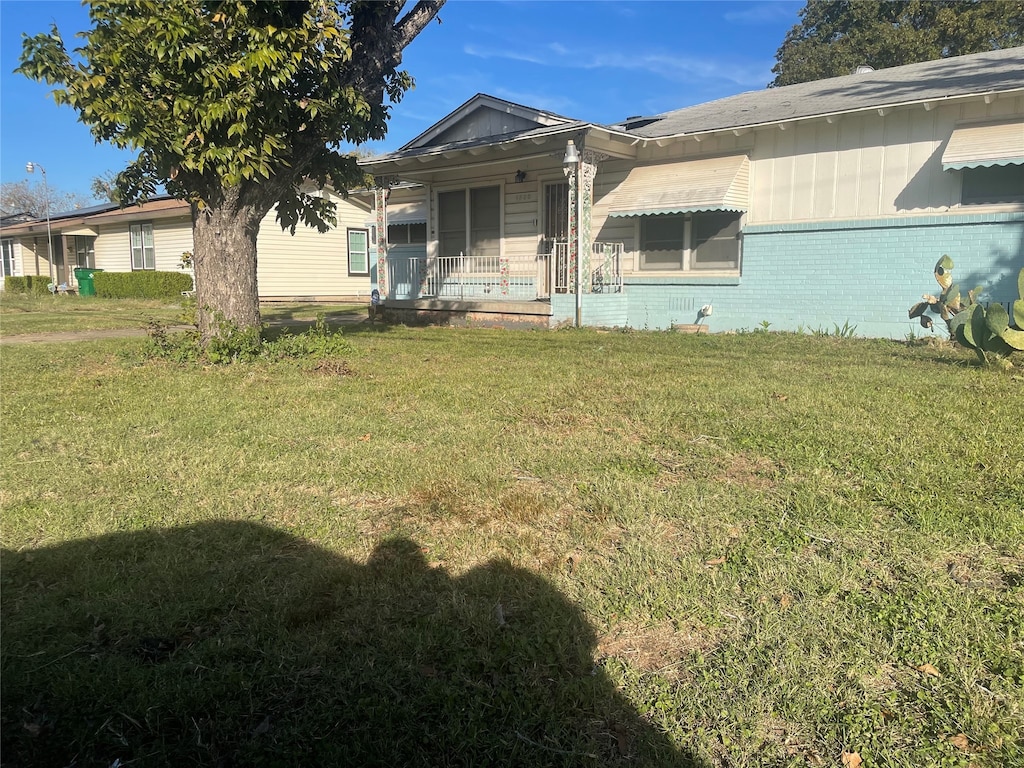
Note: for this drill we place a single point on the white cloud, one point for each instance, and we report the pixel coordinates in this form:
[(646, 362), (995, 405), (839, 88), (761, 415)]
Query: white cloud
[(667, 66), (763, 13)]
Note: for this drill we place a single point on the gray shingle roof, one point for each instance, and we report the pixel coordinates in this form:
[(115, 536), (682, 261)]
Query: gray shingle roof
[(926, 81)]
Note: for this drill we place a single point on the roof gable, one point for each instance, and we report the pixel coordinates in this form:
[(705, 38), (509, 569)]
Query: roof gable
[(483, 117)]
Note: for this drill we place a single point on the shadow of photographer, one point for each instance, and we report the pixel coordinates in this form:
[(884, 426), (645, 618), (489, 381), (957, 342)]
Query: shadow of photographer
[(234, 644)]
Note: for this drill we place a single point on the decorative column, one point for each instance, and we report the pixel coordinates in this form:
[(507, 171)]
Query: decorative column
[(574, 239), (380, 204), (587, 171)]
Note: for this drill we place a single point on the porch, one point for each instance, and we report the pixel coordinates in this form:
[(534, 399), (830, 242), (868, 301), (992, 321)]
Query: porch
[(476, 278)]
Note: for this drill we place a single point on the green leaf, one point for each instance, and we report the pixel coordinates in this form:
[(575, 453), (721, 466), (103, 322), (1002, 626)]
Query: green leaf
[(1014, 339), (997, 319), (1018, 313)]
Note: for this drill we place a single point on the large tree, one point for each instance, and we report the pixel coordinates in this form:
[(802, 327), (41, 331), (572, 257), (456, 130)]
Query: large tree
[(834, 37), (235, 107)]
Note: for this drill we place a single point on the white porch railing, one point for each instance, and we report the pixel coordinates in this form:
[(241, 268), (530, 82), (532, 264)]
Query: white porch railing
[(495, 278), (463, 277), (605, 267)]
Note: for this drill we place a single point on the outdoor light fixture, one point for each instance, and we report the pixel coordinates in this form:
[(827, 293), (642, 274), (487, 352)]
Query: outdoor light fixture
[(520, 177), (571, 155), (30, 167)]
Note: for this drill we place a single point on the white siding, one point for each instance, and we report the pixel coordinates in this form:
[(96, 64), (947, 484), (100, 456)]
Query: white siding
[(171, 238), (863, 166), (310, 264)]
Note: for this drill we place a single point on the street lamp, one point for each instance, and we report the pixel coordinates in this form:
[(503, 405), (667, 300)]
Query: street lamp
[(31, 167), (571, 168)]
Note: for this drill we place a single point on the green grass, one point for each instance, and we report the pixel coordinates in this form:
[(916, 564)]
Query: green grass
[(43, 314), (515, 548)]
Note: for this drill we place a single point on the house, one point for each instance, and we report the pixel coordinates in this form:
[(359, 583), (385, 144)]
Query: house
[(805, 206), (306, 266)]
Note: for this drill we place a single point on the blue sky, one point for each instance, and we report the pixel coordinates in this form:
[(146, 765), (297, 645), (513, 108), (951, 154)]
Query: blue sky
[(597, 61)]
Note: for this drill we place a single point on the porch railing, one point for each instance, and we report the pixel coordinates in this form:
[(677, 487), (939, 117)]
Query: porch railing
[(463, 277), (495, 278), (605, 269)]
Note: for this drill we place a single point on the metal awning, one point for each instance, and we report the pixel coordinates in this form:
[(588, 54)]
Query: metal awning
[(407, 213), (985, 144), (708, 184)]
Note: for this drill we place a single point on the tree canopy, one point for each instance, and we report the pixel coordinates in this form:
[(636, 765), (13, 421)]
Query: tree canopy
[(834, 37), (236, 107)]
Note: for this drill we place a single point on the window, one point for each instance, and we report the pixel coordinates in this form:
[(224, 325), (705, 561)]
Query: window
[(358, 252), (693, 241), (469, 222), (85, 251), (995, 184), (8, 257), (143, 253), (407, 234)]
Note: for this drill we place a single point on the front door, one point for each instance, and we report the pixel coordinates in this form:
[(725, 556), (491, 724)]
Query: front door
[(556, 229)]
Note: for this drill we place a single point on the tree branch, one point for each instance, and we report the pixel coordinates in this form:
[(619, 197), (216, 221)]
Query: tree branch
[(415, 20)]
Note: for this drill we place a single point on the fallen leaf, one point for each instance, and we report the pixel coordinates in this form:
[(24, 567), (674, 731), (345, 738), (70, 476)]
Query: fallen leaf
[(960, 742), (928, 669), (262, 727), (364, 438), (32, 728), (716, 561), (851, 760), (785, 601)]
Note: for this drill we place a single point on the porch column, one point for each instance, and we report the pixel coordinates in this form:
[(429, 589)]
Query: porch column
[(574, 224), (380, 204), (588, 170)]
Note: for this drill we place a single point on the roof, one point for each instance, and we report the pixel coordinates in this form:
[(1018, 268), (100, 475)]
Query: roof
[(957, 76), (162, 205)]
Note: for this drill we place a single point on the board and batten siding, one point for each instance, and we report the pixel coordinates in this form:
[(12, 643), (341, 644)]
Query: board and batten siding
[(863, 165), (309, 264)]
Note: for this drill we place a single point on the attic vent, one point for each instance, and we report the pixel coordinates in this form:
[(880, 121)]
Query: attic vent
[(638, 121), (863, 69)]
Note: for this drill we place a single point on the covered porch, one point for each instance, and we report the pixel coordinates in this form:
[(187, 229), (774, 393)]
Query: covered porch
[(497, 278)]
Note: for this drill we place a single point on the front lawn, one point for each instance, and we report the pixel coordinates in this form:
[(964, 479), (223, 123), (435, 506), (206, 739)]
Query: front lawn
[(472, 547)]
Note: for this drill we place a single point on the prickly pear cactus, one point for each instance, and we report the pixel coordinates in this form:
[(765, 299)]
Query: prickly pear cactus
[(986, 330)]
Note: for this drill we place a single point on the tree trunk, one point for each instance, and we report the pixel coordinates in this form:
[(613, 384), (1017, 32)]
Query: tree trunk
[(224, 241)]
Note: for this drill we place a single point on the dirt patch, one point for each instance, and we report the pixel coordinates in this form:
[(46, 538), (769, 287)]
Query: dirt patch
[(658, 648)]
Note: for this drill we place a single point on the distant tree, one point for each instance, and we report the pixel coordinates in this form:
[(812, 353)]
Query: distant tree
[(234, 106), (834, 37), (104, 187), (27, 196)]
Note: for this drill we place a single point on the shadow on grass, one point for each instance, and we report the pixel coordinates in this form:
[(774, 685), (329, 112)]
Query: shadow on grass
[(233, 644)]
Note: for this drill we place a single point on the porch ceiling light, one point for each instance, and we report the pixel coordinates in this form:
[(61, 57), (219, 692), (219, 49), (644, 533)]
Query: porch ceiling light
[(572, 156)]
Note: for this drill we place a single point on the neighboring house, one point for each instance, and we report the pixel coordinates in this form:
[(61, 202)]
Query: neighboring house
[(806, 206), (306, 266)]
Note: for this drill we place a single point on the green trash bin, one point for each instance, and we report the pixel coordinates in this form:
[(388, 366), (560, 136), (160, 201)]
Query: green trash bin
[(83, 276)]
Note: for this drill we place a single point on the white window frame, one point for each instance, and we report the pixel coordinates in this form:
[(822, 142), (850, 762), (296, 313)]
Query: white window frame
[(143, 257), (365, 252), (86, 246), (688, 253), (7, 261), (435, 236)]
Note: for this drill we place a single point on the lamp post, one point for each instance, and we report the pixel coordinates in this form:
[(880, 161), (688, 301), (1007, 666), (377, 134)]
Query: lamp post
[(571, 168), (31, 167)]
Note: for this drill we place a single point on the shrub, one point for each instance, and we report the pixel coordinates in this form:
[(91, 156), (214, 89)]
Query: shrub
[(141, 285), (32, 285)]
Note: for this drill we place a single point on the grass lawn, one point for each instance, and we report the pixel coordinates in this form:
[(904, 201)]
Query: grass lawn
[(514, 548), (43, 314)]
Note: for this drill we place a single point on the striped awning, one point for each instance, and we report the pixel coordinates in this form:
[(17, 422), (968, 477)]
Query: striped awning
[(981, 145), (407, 213), (707, 184)]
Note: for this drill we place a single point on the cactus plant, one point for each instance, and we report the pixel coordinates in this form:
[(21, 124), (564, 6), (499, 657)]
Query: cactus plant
[(986, 330)]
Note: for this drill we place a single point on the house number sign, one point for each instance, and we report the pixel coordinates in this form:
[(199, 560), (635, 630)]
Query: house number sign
[(524, 197)]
